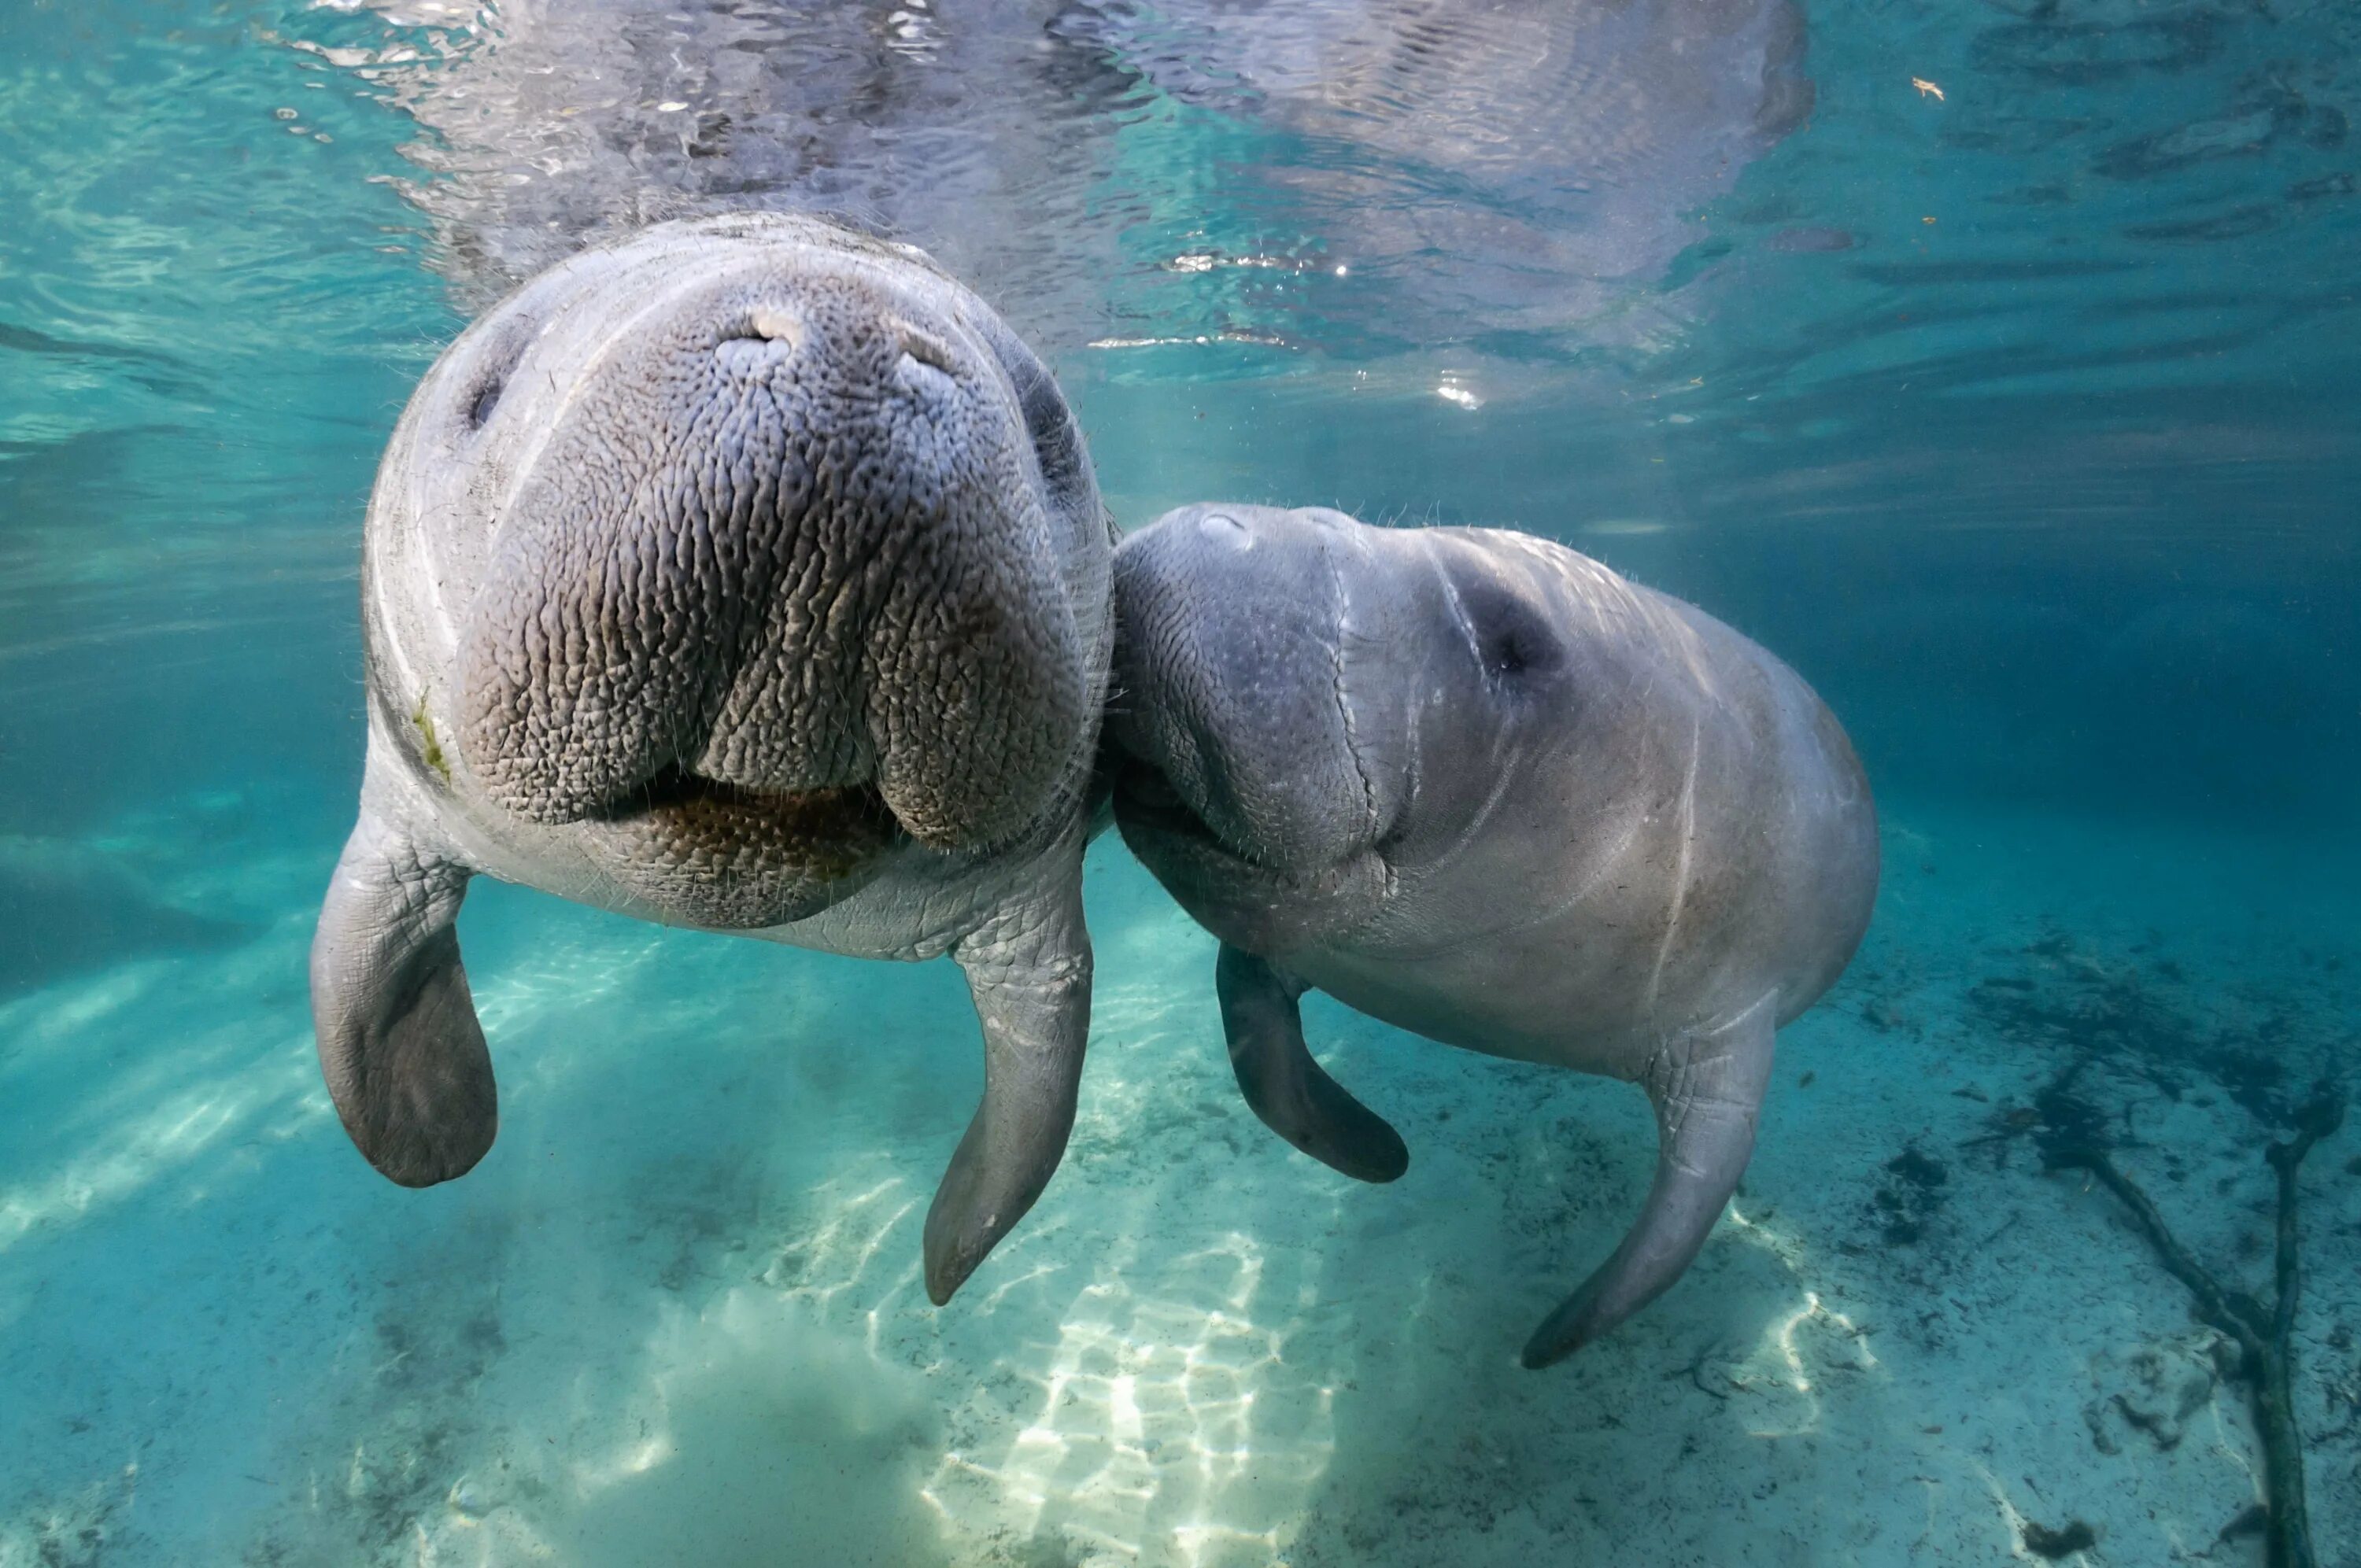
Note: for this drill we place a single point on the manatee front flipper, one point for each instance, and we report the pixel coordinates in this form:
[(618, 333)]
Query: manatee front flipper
[(1292, 1094), (1707, 1088), (399, 1041), (1029, 973)]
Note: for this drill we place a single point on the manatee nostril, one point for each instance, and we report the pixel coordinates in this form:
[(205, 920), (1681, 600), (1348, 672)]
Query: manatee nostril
[(776, 325), (925, 349), (1223, 529), (762, 337)]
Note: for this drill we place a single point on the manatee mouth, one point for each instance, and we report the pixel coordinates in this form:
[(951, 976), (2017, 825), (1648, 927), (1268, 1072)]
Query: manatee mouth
[(1145, 796), (827, 831), (725, 856), (1238, 894), (1166, 831)]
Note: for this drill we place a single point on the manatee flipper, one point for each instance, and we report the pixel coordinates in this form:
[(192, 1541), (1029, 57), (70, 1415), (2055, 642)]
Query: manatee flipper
[(400, 1044), (1029, 974), (1284, 1086), (1708, 1090)]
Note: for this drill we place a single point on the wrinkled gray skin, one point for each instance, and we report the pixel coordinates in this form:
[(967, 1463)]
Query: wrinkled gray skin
[(749, 574), (1478, 786)]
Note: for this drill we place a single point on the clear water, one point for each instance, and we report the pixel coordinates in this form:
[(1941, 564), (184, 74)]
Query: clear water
[(2021, 418)]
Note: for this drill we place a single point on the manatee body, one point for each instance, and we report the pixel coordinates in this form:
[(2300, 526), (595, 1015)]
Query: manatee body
[(1476, 785), (748, 574)]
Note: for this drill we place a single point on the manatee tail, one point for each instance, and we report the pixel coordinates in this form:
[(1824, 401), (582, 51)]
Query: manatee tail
[(400, 1044), (1707, 1088)]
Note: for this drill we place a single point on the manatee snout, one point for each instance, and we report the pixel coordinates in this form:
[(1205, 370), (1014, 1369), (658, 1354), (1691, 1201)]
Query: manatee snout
[(777, 571), (1237, 728)]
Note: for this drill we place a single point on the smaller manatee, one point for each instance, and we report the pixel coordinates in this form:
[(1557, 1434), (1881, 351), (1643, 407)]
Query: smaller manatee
[(1478, 786)]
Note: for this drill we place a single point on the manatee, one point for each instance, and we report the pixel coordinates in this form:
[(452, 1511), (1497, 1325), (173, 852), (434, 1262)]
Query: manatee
[(748, 574), (1476, 785)]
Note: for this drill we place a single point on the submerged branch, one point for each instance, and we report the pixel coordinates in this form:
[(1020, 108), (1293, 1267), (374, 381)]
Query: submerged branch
[(2265, 1338)]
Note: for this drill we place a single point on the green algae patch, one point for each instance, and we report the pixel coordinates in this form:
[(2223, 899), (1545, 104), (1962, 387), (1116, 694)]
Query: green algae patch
[(430, 748)]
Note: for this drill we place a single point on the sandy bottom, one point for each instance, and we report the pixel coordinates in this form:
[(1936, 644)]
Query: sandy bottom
[(675, 1317)]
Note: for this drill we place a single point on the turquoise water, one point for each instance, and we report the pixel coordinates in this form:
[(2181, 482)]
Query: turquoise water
[(2016, 410)]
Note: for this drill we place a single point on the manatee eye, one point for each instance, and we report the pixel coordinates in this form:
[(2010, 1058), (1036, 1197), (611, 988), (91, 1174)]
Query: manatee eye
[(493, 366), (1511, 637), (485, 402), (1050, 426)]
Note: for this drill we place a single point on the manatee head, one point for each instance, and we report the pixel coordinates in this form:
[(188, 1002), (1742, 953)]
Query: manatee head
[(742, 553), (1279, 677)]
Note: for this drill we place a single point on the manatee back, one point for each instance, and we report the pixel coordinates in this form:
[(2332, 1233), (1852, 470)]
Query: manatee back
[(1673, 829), (1774, 868)]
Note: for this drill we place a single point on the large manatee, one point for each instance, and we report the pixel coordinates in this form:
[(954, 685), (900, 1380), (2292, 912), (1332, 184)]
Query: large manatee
[(749, 574), (1478, 786)]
